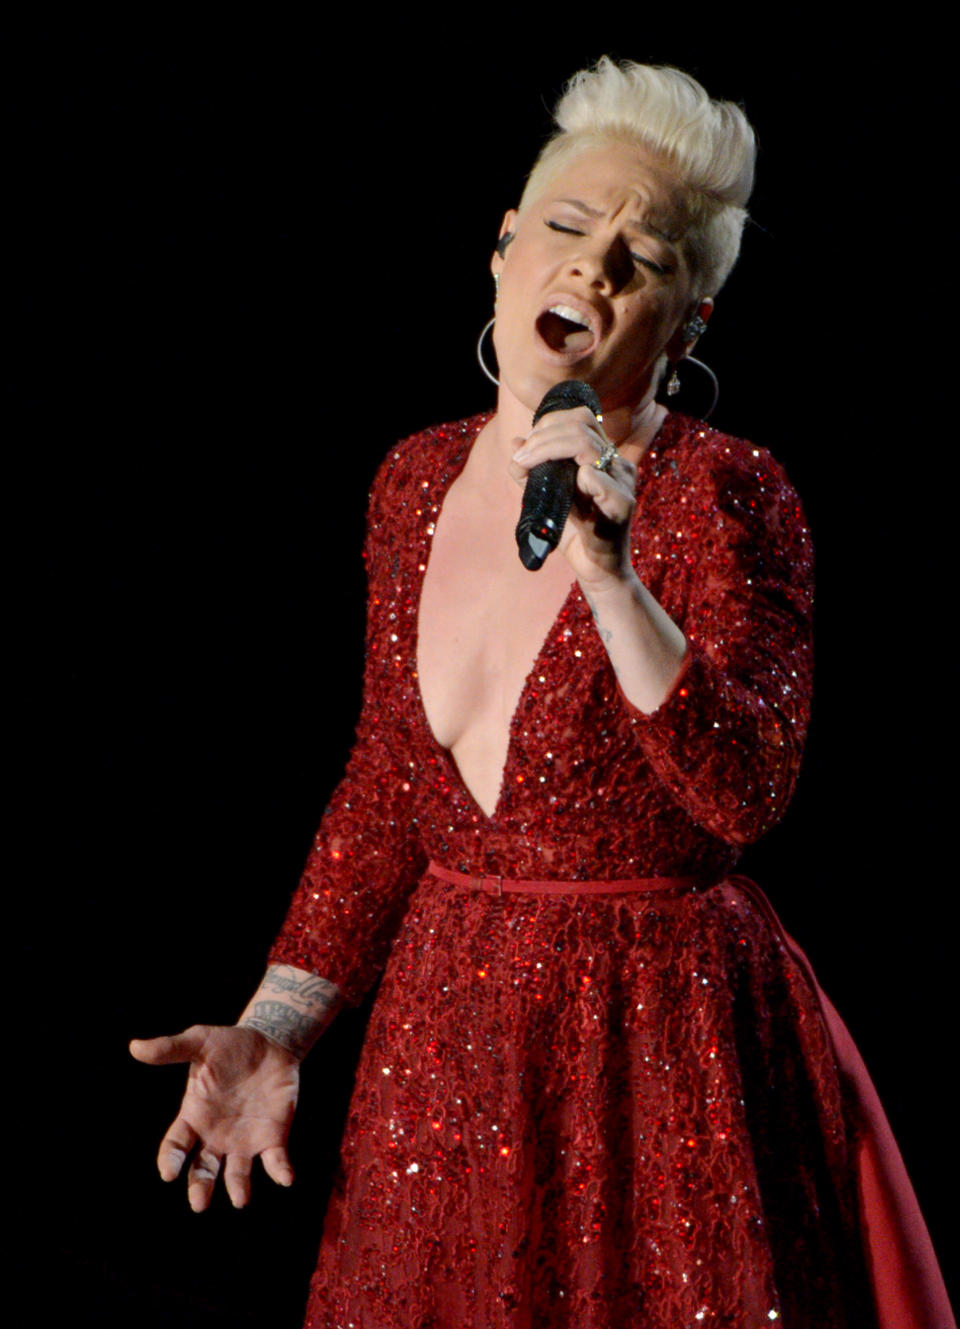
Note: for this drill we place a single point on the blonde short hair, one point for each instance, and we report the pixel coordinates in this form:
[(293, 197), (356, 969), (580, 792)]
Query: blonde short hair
[(708, 144)]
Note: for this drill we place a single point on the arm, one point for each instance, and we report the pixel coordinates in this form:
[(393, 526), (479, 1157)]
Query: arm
[(365, 860), (716, 691), (291, 1008), (243, 1080), (728, 736), (366, 856), (645, 646)]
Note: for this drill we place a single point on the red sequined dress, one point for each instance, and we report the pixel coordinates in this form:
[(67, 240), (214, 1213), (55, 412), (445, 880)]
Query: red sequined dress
[(594, 1111)]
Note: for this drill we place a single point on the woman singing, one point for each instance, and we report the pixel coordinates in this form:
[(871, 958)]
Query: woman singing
[(600, 1087)]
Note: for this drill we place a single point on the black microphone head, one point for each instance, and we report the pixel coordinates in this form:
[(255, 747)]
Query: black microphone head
[(564, 396)]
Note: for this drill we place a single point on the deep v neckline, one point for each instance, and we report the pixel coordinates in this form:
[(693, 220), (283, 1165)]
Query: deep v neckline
[(444, 755), (574, 596)]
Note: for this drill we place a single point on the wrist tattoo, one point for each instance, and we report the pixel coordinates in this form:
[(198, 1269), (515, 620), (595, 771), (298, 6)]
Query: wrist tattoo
[(303, 990), (282, 1024)]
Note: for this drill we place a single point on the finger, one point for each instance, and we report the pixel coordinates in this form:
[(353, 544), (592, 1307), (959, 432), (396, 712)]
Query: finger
[(601, 449), (610, 497), (236, 1178), (561, 436), (553, 449), (276, 1164), (201, 1178), (174, 1148), (165, 1051)]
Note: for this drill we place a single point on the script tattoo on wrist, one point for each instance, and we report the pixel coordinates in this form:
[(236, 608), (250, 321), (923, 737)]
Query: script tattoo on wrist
[(282, 1024), (305, 990)]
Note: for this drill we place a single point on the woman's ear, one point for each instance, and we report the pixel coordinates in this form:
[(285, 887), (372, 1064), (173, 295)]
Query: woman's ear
[(693, 326), (507, 228), (704, 310)]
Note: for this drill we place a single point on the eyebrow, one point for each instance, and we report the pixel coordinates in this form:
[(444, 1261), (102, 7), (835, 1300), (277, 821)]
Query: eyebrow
[(644, 227)]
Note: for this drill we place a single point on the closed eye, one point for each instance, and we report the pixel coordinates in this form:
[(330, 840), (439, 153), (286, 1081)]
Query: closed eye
[(658, 268), (642, 259)]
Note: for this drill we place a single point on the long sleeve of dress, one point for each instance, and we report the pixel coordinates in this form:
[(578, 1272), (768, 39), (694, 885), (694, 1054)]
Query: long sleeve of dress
[(727, 741), (366, 856)]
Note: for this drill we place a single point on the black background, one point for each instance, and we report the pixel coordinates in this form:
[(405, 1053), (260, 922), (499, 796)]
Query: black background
[(246, 263)]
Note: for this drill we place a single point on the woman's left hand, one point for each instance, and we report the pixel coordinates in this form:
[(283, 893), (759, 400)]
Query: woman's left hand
[(596, 537)]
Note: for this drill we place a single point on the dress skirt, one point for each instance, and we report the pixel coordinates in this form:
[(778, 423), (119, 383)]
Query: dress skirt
[(627, 1110)]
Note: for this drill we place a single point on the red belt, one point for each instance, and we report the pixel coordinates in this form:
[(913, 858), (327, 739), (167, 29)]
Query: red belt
[(501, 885)]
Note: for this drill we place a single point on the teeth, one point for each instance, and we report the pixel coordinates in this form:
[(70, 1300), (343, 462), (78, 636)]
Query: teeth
[(571, 315)]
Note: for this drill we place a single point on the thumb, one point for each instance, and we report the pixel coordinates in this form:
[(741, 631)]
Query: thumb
[(519, 473), (170, 1049)]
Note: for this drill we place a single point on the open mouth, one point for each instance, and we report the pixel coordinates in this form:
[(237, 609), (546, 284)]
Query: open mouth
[(565, 329)]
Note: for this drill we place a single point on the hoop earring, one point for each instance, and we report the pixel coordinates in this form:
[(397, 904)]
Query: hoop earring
[(673, 383), (486, 328)]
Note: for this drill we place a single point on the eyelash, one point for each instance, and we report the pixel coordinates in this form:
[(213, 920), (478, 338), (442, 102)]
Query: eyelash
[(637, 258)]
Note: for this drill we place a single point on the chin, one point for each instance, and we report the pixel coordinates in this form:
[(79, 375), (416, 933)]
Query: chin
[(530, 388), (584, 373)]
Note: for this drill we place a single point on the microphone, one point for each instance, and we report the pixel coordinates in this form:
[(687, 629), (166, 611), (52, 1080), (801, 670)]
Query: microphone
[(551, 485)]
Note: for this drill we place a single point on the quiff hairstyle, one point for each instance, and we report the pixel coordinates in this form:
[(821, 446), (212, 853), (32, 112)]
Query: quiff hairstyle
[(708, 145)]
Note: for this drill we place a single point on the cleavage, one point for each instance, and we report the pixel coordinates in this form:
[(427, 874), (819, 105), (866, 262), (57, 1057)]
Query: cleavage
[(483, 621)]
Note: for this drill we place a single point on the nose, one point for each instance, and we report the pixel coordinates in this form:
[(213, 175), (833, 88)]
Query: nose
[(603, 263)]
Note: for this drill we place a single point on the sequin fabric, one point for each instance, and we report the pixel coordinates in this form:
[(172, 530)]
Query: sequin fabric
[(601, 1112)]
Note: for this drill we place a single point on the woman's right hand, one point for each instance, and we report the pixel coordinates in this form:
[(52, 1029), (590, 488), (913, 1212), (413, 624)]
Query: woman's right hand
[(240, 1099)]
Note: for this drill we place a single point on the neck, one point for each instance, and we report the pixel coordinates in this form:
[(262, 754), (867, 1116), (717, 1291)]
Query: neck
[(631, 428)]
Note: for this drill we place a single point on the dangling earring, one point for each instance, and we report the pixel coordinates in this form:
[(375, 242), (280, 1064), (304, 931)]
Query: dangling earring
[(486, 328), (496, 287), (694, 328), (673, 383)]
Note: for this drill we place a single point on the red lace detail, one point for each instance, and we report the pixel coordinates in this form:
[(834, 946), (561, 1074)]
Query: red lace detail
[(583, 1110)]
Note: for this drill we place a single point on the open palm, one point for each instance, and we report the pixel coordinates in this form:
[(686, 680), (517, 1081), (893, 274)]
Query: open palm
[(239, 1103)]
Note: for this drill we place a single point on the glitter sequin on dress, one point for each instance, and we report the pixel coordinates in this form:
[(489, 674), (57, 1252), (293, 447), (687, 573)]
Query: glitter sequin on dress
[(594, 1111)]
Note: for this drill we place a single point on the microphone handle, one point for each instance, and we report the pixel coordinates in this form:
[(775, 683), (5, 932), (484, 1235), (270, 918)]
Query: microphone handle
[(547, 500), (550, 487)]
